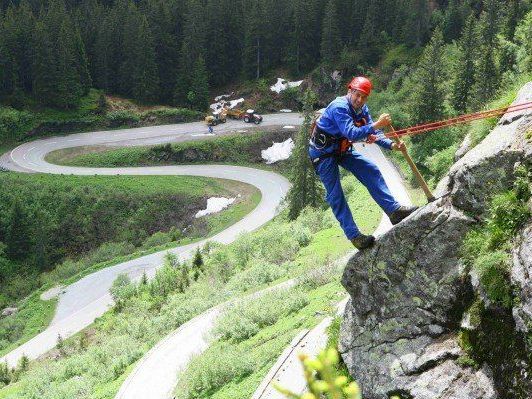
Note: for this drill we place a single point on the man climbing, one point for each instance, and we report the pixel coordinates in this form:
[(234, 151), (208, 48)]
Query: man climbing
[(346, 120)]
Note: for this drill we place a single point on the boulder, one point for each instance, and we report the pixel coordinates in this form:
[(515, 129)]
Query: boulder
[(9, 311), (402, 293)]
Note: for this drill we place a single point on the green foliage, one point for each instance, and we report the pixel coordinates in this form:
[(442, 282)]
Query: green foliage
[(122, 118), (247, 318), (14, 124), (522, 37), (439, 163), (486, 248), (306, 188), (323, 380), (212, 370), (121, 290)]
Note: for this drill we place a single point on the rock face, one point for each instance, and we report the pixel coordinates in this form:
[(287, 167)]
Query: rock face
[(410, 291), (521, 276)]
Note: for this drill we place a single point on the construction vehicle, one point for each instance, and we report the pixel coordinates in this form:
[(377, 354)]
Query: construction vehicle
[(215, 119), (248, 116)]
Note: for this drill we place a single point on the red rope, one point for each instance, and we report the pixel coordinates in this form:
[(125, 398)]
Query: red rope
[(428, 127)]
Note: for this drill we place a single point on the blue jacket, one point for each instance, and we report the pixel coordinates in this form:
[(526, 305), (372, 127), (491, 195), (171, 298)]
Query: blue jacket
[(339, 120)]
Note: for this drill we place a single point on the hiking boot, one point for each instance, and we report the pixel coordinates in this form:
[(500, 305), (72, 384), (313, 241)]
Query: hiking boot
[(401, 213), (362, 241)]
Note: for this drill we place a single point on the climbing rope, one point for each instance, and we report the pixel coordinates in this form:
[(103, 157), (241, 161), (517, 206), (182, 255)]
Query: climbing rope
[(428, 127)]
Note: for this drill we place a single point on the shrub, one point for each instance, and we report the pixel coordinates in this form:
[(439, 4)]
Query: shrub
[(211, 370), (260, 272), (439, 163), (122, 289), (14, 124), (248, 317), (122, 118), (493, 271)]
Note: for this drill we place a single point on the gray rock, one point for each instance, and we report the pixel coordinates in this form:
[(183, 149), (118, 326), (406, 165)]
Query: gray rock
[(9, 311), (521, 277), (465, 146), (402, 292), (489, 166)]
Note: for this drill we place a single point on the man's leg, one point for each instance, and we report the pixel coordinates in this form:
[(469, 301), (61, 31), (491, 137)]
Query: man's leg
[(370, 176), (329, 174)]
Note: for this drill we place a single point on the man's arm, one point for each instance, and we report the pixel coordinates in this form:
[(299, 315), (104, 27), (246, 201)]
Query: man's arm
[(381, 141), (348, 129)]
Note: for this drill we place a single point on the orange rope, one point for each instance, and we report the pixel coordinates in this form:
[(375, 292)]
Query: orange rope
[(428, 127)]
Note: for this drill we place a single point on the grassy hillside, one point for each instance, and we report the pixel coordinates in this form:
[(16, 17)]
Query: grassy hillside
[(103, 354), (69, 226), (237, 149)]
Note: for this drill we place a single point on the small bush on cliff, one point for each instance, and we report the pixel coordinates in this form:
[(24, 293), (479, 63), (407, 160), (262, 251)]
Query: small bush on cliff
[(486, 249)]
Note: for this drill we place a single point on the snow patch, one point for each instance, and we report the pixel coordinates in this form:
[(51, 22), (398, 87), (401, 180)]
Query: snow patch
[(278, 151), (214, 205), (222, 96), (219, 105), (283, 84), (289, 127), (285, 110)]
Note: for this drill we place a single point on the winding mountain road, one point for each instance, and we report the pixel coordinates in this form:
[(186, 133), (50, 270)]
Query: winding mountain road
[(85, 300), (81, 302)]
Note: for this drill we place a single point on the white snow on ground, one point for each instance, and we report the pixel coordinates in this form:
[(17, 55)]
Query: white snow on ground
[(278, 151), (214, 205), (289, 127), (283, 84), (222, 96), (285, 110), (217, 106)]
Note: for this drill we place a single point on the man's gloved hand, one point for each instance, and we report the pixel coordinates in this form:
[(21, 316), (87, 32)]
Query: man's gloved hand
[(383, 121), (371, 138), (400, 146)]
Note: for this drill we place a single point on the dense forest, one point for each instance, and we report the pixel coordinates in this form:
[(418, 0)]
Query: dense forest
[(173, 51)]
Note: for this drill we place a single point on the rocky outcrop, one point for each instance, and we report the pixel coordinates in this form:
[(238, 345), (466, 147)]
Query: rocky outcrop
[(488, 167), (521, 275), (410, 292)]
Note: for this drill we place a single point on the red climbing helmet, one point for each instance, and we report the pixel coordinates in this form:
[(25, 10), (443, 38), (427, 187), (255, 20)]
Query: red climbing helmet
[(362, 84)]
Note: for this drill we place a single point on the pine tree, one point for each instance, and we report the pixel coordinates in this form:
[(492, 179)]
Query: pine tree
[(487, 75), (164, 19), (465, 67), (304, 53), (331, 43), (68, 88), (18, 233), (370, 43), (81, 62), (453, 21), (306, 189), (198, 94), (145, 80), (45, 69), (193, 46), (416, 24), (427, 99), (197, 264), (253, 50)]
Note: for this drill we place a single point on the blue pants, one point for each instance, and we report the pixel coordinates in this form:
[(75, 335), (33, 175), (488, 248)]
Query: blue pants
[(367, 173)]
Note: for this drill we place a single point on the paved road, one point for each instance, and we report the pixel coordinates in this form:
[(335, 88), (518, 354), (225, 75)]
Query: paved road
[(89, 298)]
